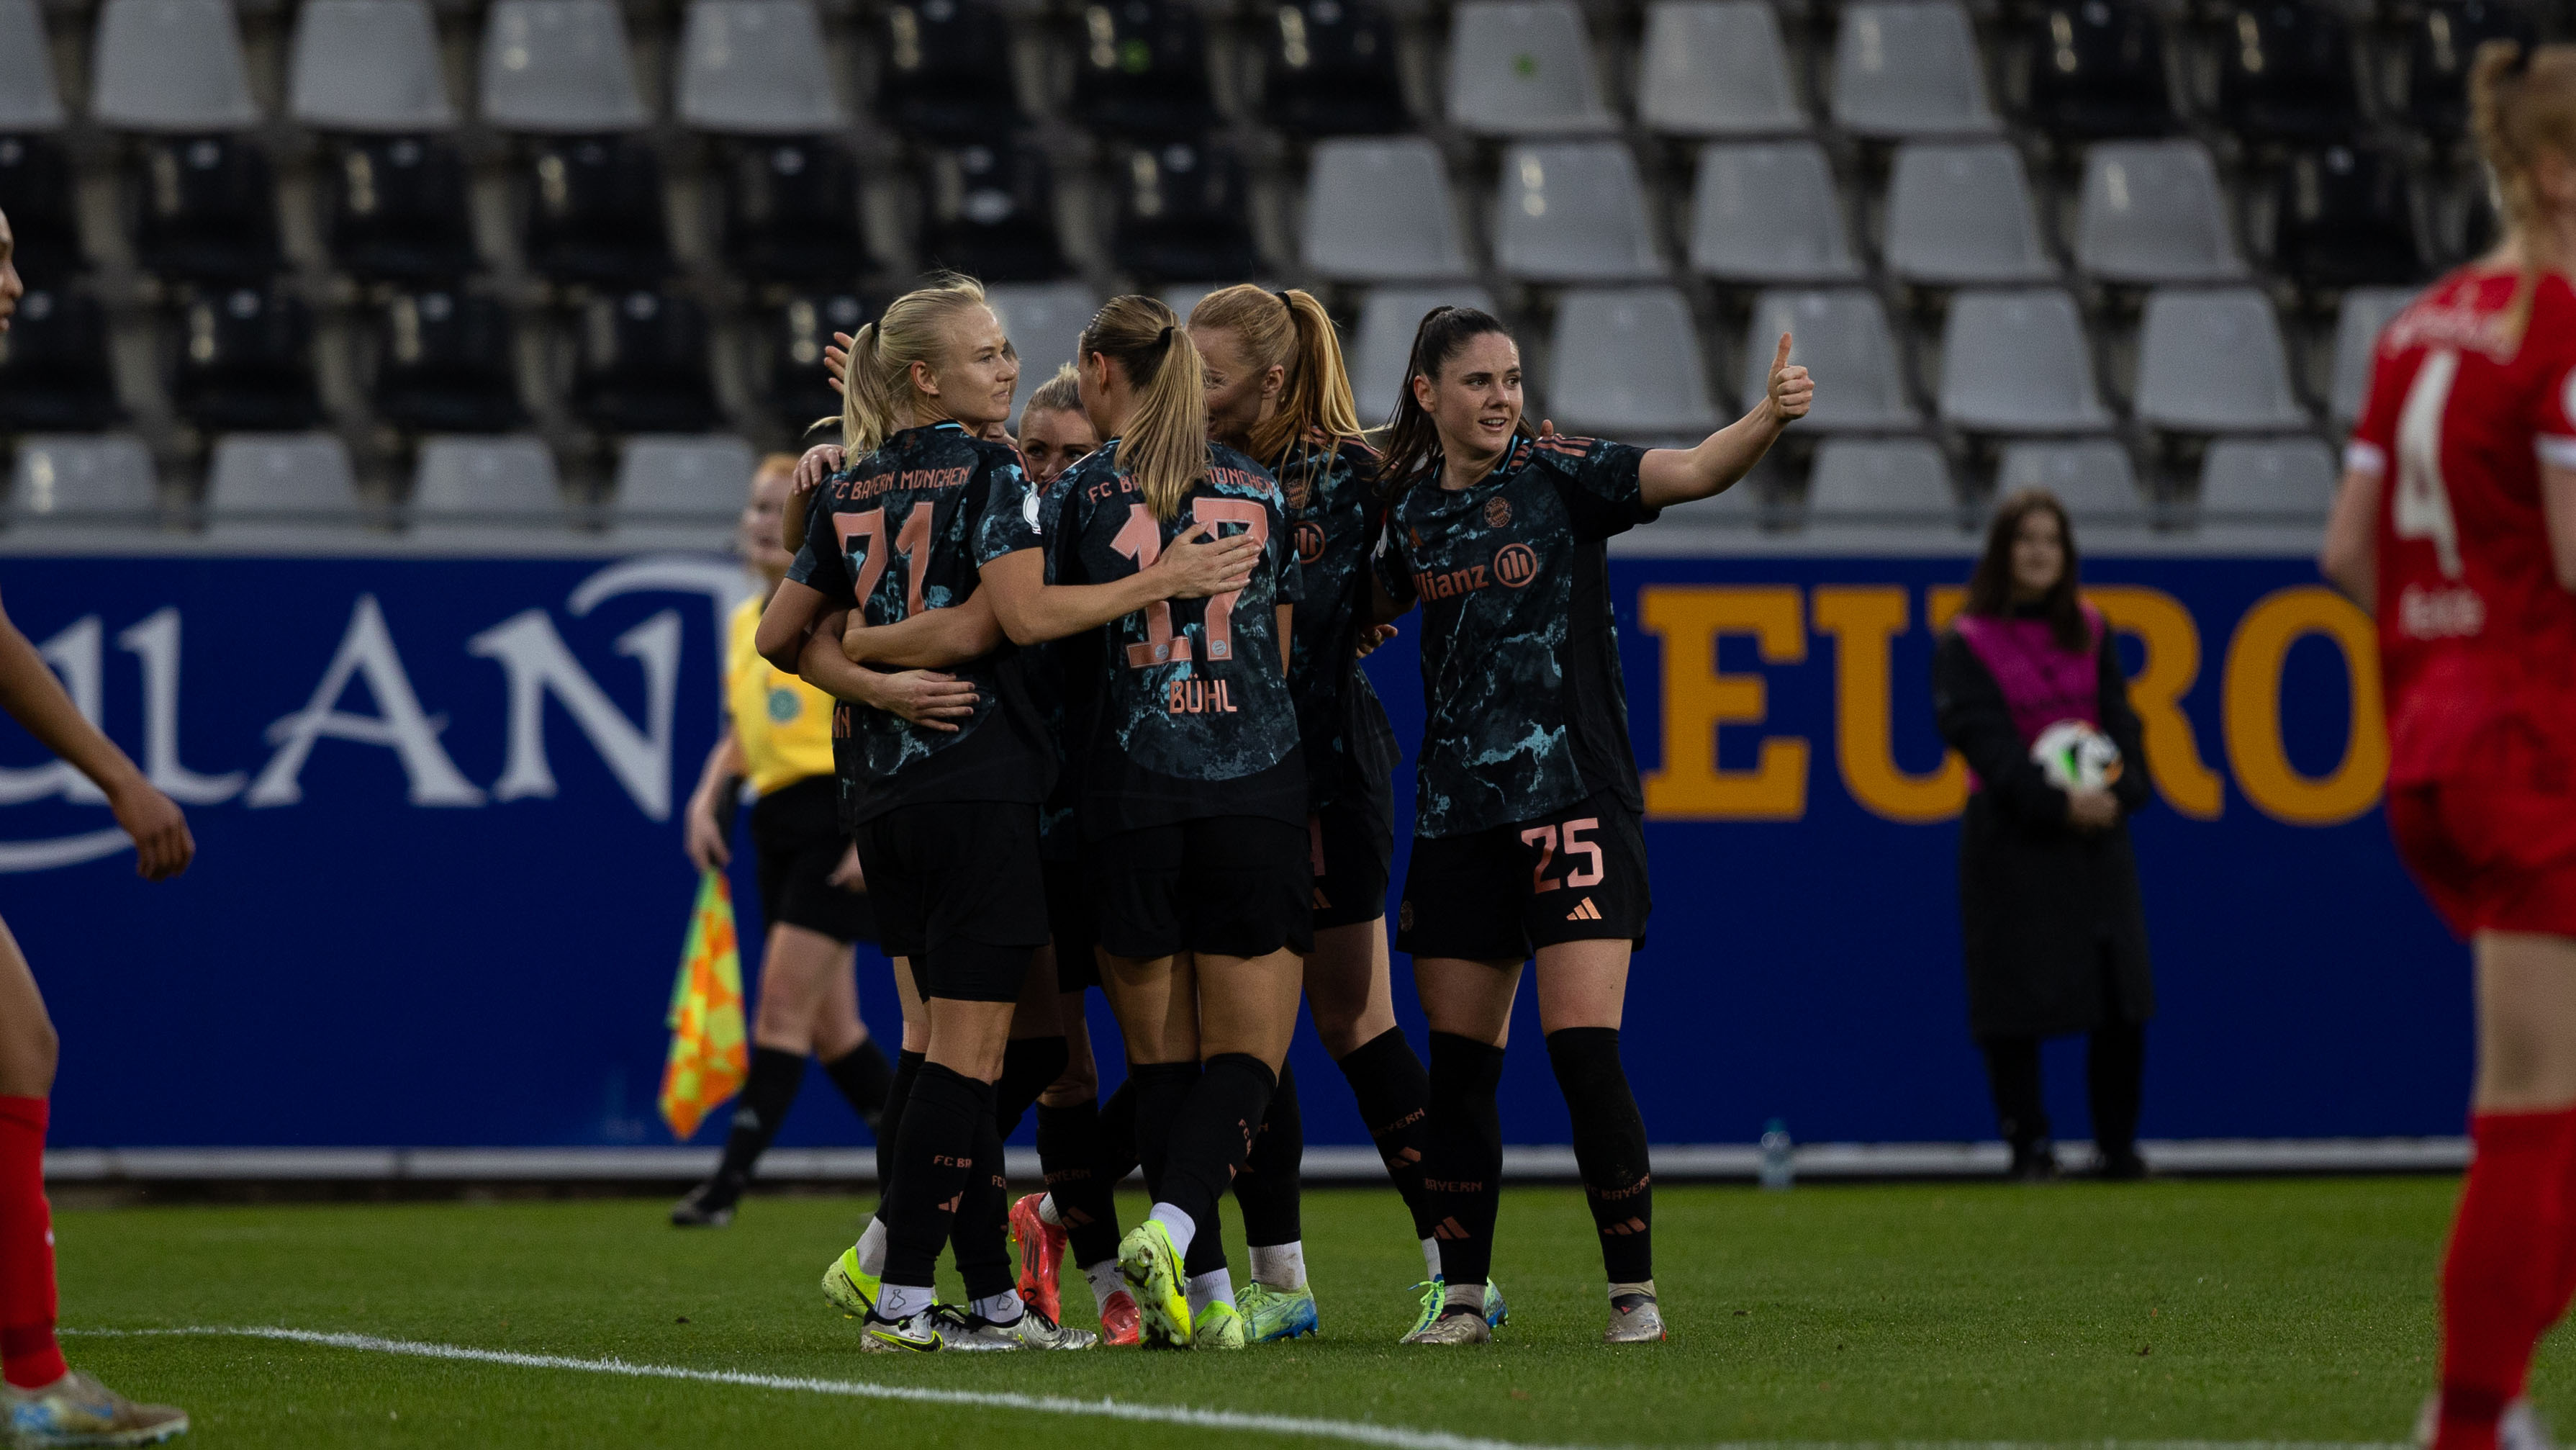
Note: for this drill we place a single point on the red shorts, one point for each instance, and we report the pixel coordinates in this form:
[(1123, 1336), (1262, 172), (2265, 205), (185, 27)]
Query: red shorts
[(2490, 858)]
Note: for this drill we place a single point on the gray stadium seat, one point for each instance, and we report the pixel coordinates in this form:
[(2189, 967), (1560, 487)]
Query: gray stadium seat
[(1880, 481), (756, 68), (2366, 310), (2015, 362), (1379, 211), (2093, 477), (1522, 68), (1841, 335), (1624, 363), (1044, 321), (1959, 214), (680, 492), (469, 488), (1716, 68), (558, 66), (368, 65), (1767, 212), (281, 488), (1573, 211), (2152, 212), (76, 483), (170, 65), (1909, 69), (2266, 479), (2212, 362), (1388, 319), (28, 99)]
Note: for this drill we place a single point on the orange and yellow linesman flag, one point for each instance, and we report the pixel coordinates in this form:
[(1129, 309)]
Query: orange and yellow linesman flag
[(708, 1059)]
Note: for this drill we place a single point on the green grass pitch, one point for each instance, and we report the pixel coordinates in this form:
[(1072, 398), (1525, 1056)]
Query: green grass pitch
[(2220, 1311)]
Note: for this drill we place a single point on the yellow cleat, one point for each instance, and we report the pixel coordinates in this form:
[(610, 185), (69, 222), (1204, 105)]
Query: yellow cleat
[(1219, 1326), (1151, 1265), (849, 1288)]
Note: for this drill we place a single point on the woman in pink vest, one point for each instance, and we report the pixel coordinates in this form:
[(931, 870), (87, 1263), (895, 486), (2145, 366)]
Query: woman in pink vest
[(2048, 888)]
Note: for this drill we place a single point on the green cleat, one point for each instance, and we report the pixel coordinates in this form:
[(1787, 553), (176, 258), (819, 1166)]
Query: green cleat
[(78, 1410), (1151, 1266), (1220, 1326), (1272, 1314), (1432, 1291), (849, 1288)]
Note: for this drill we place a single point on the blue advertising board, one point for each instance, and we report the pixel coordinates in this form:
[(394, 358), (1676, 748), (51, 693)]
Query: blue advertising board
[(440, 892)]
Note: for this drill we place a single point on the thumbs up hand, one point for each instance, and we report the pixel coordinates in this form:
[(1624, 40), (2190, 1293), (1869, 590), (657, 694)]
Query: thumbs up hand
[(1791, 391)]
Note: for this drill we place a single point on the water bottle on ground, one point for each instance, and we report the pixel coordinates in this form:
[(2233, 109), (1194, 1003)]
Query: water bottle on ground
[(1778, 1172)]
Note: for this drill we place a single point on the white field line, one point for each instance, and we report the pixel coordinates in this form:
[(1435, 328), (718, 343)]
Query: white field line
[(1358, 1432)]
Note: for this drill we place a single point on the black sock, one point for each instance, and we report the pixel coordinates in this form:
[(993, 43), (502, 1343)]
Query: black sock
[(981, 1231), (1161, 1088), (1069, 1152), (1609, 1148), (1118, 1135), (2114, 1065), (2012, 1074), (1030, 1065), (889, 1127), (1462, 1170), (948, 1111), (1210, 1138), (1394, 1095), (1267, 1189), (865, 1078), (766, 1094)]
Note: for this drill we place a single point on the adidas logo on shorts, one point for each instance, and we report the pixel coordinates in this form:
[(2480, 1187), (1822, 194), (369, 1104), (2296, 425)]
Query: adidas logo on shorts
[(1584, 910)]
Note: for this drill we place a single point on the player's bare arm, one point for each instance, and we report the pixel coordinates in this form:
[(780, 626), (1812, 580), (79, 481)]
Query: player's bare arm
[(2349, 558), (1667, 476), (35, 699), (2558, 505), (932, 639), (927, 698), (784, 626), (1033, 611)]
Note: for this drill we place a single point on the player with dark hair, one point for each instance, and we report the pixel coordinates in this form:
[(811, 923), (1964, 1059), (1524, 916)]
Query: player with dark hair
[(1528, 819)]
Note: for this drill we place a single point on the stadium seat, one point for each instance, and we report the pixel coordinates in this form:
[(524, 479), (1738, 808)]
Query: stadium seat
[(1142, 70), (939, 81), (71, 484), (2152, 212), (1960, 214), (595, 211), (2366, 310), (2016, 362), (1389, 316), (679, 492), (2092, 477), (1839, 333), (169, 65), (643, 365), (397, 210), (28, 98), (1625, 363), (368, 65), (1330, 70), (55, 373), (445, 364), (1184, 212), (2346, 218), (756, 68), (2212, 362), (2288, 73), (2441, 40), (248, 361), (1881, 481), (1044, 322), (2095, 70), (207, 210), (799, 392), (36, 192), (990, 211), (1522, 68), (558, 66), (281, 488), (1379, 211), (1573, 211), (1716, 68), (792, 211), (474, 490), (1909, 68), (2282, 480), (1767, 212)]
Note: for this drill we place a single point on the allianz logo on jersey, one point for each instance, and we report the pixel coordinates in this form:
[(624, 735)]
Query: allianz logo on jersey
[(368, 665), (1513, 567)]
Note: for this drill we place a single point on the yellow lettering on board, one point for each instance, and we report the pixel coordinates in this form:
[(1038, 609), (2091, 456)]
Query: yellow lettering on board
[(1862, 619), (1698, 700), (2251, 708), (2172, 640)]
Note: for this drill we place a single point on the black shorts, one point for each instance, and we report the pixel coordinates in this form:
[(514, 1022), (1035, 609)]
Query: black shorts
[(796, 836), (1073, 920), (1577, 873), (1231, 886), (959, 891), (1351, 845)]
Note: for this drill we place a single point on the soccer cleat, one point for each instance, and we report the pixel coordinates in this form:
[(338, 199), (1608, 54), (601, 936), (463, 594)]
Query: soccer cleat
[(1497, 1313), (919, 1334), (1219, 1326), (849, 1288), (78, 1410), (1463, 1326), (1041, 1249), (1032, 1330), (2520, 1428), (1433, 1291), (709, 1205), (1270, 1314), (1120, 1324), (1152, 1268), (1634, 1319)]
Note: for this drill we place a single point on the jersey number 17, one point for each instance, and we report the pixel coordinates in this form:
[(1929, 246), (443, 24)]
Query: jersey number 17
[(1141, 539)]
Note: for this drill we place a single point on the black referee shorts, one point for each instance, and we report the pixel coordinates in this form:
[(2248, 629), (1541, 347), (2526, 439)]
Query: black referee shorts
[(1575, 874), (1230, 886), (959, 892), (797, 842)]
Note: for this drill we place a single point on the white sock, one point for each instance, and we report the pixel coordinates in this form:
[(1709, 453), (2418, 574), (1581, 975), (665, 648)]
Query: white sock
[(901, 1301), (1216, 1286), (1281, 1266), (872, 1246), (1431, 1258), (1178, 1221), (1002, 1308), (1105, 1280), (1046, 1211)]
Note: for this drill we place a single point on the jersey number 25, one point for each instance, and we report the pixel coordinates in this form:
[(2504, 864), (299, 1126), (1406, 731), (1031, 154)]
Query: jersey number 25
[(1141, 539)]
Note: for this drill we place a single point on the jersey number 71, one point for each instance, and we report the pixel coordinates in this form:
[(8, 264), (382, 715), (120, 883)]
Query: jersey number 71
[(1141, 539), (869, 528)]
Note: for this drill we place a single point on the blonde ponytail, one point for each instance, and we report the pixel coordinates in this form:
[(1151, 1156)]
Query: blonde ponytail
[(877, 393), (2519, 105), (1163, 444), (1290, 331)]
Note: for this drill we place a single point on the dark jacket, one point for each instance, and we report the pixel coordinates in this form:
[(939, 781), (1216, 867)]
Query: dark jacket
[(2056, 935)]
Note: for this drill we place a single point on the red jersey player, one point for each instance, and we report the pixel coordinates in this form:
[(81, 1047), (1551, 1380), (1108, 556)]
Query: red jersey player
[(2457, 526)]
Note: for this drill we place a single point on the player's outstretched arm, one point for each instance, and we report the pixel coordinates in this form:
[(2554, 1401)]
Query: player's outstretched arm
[(1667, 476), (1032, 611), (35, 699), (2350, 556), (933, 639), (927, 698)]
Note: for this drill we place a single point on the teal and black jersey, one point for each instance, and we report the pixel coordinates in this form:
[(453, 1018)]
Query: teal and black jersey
[(1520, 655), (892, 534), (1060, 674), (1337, 508)]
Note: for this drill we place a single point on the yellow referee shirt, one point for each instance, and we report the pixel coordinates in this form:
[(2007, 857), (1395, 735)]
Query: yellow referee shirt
[(783, 724)]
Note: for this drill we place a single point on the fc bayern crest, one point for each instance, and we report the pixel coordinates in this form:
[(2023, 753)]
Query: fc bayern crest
[(1498, 512)]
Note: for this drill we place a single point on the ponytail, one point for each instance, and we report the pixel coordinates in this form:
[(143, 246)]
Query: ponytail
[(1412, 438), (2521, 103), (1290, 331), (877, 392), (1163, 444)]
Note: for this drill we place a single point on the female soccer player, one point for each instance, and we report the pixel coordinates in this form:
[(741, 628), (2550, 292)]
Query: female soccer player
[(1054, 431), (1527, 820), (2468, 558)]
